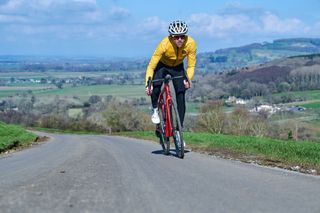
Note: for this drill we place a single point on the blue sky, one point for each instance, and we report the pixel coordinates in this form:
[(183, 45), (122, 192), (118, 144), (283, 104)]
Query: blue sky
[(133, 28)]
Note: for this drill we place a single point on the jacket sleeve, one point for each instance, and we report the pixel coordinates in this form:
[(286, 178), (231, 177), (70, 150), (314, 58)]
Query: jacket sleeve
[(191, 61), (154, 61)]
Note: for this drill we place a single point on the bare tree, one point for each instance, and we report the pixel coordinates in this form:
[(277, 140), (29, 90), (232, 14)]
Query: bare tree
[(238, 121), (212, 117)]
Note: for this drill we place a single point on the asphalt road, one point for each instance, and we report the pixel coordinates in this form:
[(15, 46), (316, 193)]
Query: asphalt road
[(87, 173)]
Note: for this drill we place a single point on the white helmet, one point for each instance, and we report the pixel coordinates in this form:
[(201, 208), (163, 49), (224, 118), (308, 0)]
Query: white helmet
[(178, 28)]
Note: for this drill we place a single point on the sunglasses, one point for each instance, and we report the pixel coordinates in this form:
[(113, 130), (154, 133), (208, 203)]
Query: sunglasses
[(176, 37)]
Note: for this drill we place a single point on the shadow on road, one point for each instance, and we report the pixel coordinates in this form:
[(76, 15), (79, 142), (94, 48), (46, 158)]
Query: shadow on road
[(172, 152), (157, 152)]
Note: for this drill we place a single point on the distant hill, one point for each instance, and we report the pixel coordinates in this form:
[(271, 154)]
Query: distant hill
[(256, 53), (295, 73), (69, 64), (279, 70), (220, 60)]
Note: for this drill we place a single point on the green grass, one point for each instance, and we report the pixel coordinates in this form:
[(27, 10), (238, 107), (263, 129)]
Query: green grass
[(288, 152), (313, 105), (6, 93), (133, 91), (12, 136), (193, 107), (309, 94), (61, 74), (120, 91), (13, 90), (136, 91)]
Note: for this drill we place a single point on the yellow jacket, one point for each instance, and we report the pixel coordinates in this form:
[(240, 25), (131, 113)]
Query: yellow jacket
[(169, 54)]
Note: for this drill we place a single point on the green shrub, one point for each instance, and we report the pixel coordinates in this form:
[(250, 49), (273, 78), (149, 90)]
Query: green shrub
[(125, 117), (212, 117)]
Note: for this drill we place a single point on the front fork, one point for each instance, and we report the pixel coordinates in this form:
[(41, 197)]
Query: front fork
[(166, 109), (168, 120)]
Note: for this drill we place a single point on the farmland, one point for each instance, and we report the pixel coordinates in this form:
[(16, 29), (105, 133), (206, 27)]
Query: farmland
[(123, 91), (80, 94)]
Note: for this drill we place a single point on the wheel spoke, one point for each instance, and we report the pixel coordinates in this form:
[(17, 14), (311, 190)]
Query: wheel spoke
[(177, 130)]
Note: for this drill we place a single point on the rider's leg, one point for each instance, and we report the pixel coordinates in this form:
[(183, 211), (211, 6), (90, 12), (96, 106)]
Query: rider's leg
[(154, 100), (155, 95), (181, 105), (180, 92), (158, 74)]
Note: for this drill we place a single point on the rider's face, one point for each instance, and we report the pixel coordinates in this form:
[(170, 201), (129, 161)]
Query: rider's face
[(179, 39)]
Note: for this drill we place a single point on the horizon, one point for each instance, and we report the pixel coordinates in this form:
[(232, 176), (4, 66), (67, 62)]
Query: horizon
[(115, 58), (126, 29)]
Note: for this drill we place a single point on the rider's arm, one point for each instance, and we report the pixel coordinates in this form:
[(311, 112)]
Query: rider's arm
[(191, 60), (154, 61)]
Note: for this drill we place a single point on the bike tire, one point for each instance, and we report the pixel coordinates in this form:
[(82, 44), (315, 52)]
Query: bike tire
[(164, 141), (159, 134), (177, 130)]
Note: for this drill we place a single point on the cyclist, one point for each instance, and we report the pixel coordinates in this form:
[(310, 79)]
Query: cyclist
[(169, 54)]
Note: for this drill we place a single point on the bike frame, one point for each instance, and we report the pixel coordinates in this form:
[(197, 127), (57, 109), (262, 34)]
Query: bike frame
[(167, 106)]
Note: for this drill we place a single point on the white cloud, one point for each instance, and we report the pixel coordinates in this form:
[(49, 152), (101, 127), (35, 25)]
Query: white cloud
[(86, 20), (273, 24), (36, 8), (37, 16), (53, 12), (151, 26), (220, 26), (242, 24), (119, 13), (237, 8)]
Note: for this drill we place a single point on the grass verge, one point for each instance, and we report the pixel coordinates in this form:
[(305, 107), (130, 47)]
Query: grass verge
[(301, 156), (13, 136)]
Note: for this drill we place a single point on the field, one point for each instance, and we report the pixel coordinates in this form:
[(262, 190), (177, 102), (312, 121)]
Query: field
[(193, 107), (83, 92), (312, 105), (131, 91), (308, 95), (272, 54), (16, 89), (55, 74), (19, 82)]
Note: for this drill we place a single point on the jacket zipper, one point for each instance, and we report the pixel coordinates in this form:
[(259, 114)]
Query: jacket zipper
[(177, 57)]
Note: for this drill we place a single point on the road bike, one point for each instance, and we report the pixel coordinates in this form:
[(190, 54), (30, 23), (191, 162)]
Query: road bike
[(170, 125)]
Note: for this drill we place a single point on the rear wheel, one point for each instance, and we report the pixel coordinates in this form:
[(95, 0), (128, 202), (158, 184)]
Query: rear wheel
[(177, 130)]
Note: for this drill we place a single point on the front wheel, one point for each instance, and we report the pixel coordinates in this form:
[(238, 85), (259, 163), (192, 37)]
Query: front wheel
[(177, 130), (164, 141)]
